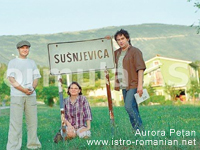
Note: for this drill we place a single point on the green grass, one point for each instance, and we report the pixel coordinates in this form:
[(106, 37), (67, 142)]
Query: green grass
[(155, 118)]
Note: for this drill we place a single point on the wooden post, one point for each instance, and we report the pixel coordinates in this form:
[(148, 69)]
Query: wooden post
[(109, 101), (62, 113)]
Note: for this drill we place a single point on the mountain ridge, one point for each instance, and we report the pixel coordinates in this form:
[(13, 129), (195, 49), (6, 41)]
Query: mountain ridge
[(176, 41)]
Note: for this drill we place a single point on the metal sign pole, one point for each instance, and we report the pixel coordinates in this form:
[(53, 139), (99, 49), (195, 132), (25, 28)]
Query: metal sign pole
[(63, 127), (109, 101)]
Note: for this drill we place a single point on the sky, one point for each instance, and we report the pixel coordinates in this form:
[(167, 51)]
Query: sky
[(20, 17)]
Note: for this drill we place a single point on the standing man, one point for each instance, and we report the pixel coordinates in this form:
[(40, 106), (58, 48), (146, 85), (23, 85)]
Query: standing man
[(23, 76), (129, 75)]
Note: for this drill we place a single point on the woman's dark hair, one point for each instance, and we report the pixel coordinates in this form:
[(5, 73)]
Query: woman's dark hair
[(78, 87), (122, 32)]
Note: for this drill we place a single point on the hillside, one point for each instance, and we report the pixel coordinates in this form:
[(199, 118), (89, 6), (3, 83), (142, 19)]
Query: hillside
[(174, 41)]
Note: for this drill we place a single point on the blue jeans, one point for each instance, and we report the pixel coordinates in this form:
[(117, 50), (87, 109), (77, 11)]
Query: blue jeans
[(131, 107)]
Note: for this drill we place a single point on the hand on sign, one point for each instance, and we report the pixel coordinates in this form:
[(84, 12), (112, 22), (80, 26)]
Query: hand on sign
[(108, 37)]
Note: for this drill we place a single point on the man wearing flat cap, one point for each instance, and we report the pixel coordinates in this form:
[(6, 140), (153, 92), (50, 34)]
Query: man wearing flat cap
[(23, 75)]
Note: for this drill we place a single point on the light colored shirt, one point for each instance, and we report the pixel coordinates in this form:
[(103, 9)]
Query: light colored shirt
[(77, 113), (121, 71), (25, 72)]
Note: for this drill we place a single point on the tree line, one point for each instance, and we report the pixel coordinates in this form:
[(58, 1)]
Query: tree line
[(47, 89)]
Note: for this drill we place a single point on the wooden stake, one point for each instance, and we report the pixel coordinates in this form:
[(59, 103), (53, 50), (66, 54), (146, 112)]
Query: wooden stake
[(62, 113), (109, 101)]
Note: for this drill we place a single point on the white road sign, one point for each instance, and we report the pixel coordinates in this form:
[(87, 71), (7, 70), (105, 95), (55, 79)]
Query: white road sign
[(80, 56)]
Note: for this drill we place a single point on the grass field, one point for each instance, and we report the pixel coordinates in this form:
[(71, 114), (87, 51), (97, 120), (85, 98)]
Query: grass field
[(157, 120)]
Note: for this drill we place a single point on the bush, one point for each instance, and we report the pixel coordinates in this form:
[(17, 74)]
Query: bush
[(97, 99), (155, 99), (121, 103), (168, 102), (49, 93), (178, 102), (49, 101)]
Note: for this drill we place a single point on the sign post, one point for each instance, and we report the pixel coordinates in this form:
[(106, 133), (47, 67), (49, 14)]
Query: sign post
[(79, 57), (62, 113), (110, 107)]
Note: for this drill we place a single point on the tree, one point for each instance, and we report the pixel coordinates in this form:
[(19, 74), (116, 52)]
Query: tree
[(172, 91), (4, 92), (194, 89), (197, 62), (49, 94), (4, 88), (150, 89), (197, 5)]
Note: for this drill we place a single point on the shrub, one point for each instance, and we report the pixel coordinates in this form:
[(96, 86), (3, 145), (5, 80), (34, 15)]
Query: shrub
[(97, 99), (121, 103), (155, 99), (49, 101), (178, 102), (168, 102), (49, 93)]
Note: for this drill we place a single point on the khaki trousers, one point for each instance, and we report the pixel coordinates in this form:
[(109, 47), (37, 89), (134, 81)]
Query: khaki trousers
[(20, 104)]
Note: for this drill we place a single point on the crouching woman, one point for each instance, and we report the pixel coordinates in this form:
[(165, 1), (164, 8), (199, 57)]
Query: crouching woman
[(77, 113)]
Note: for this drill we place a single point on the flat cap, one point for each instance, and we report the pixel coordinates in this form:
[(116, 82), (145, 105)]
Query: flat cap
[(23, 43)]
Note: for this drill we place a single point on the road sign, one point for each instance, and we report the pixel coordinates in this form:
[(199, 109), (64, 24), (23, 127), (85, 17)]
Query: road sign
[(80, 56)]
